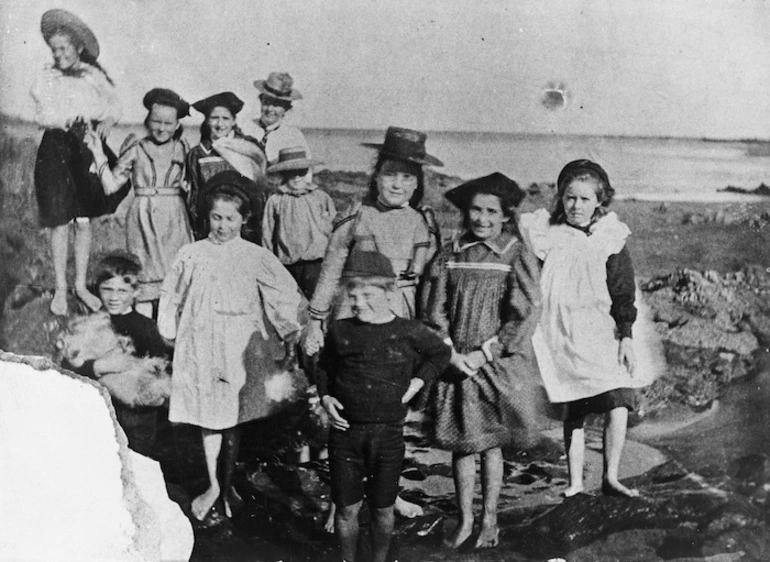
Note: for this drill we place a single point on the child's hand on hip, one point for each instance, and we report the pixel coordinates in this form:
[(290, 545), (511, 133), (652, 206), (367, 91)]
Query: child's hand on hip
[(415, 384), (333, 407), (626, 355)]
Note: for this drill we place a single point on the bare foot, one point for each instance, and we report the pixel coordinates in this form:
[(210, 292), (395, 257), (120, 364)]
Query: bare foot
[(329, 525), (407, 509), (88, 298), (618, 489), (59, 302), (232, 501), (489, 537), (573, 490), (460, 535), (202, 504)]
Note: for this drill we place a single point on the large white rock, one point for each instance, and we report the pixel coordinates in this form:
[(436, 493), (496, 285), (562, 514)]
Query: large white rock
[(70, 489)]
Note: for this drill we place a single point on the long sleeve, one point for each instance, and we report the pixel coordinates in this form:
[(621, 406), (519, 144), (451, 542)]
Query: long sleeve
[(327, 364), (337, 252), (331, 212), (434, 297), (173, 294), (281, 296), (622, 289), (521, 312), (434, 353), (114, 179), (268, 224)]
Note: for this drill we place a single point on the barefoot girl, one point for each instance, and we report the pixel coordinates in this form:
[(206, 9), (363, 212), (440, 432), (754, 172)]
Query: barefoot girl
[(70, 94), (224, 300), (588, 309), (157, 224), (483, 295)]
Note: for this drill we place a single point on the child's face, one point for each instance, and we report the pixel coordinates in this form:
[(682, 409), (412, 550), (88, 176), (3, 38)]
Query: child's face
[(395, 183), (298, 180), (117, 295), (369, 303), (486, 216), (65, 53), (162, 123), (225, 220), (580, 201), (221, 122)]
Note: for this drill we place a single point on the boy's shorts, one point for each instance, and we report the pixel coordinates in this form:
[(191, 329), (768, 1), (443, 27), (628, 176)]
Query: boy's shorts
[(371, 451)]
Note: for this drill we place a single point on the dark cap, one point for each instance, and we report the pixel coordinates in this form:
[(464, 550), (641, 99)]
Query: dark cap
[(405, 144), (232, 181), (576, 166), (164, 96), (498, 184), (367, 264), (223, 99)]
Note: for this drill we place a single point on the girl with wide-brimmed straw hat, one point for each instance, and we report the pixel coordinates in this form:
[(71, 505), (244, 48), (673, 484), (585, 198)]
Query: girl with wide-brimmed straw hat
[(157, 225), (391, 221), (70, 94), (223, 146), (277, 95)]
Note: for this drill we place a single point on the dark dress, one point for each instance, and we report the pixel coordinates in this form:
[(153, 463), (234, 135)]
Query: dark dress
[(486, 294)]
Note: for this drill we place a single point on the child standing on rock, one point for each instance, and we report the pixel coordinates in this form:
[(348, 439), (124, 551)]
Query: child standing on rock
[(584, 346)]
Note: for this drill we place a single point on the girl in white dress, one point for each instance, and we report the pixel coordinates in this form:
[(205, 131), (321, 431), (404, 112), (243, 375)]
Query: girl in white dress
[(584, 346)]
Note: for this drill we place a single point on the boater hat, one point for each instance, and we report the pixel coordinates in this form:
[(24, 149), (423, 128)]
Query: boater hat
[(294, 158), (164, 96), (577, 165), (54, 20), (405, 144), (367, 264), (498, 184), (223, 99), (279, 85)]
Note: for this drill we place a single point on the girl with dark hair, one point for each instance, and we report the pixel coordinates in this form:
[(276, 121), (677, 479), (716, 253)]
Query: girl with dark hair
[(223, 146), (157, 224), (587, 358), (230, 306), (69, 95), (482, 295)]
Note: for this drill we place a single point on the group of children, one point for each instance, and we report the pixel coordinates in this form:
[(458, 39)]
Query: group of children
[(472, 328)]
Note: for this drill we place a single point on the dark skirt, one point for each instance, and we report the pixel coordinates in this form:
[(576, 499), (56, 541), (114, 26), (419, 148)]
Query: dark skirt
[(599, 404), (64, 187)]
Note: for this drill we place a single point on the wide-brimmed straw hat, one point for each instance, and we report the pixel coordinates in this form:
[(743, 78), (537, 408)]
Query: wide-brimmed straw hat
[(54, 20), (164, 96), (495, 183), (405, 144), (294, 158), (223, 99), (279, 85)]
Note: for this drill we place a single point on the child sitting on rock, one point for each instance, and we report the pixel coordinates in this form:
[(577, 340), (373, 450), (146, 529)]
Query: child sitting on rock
[(371, 365), (118, 285)]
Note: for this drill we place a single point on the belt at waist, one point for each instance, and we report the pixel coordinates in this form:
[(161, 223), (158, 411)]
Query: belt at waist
[(151, 191)]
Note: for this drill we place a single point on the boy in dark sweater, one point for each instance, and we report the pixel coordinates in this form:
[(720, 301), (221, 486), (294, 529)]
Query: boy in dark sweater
[(371, 366), (118, 285)]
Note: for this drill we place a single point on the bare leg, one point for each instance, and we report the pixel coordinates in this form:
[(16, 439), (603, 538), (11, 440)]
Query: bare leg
[(575, 444), (383, 519), (212, 444), (231, 442), (58, 238), (407, 509), (491, 482), (464, 473), (346, 525), (82, 254), (329, 524), (615, 424)]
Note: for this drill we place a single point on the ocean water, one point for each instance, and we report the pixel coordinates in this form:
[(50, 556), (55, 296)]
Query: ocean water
[(645, 168), (639, 167)]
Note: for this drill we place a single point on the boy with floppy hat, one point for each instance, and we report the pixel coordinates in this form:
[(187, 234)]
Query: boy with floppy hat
[(298, 219), (371, 366)]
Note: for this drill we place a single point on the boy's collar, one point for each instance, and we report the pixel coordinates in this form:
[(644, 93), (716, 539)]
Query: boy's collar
[(499, 245)]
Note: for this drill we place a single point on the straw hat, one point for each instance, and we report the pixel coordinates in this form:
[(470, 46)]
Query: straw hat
[(294, 158), (164, 96), (54, 20), (496, 183), (223, 99), (405, 144), (279, 85)]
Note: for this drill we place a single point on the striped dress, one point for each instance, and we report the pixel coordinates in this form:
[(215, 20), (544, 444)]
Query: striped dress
[(486, 295)]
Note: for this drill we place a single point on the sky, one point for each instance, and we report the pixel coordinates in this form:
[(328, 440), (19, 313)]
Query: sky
[(629, 67)]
